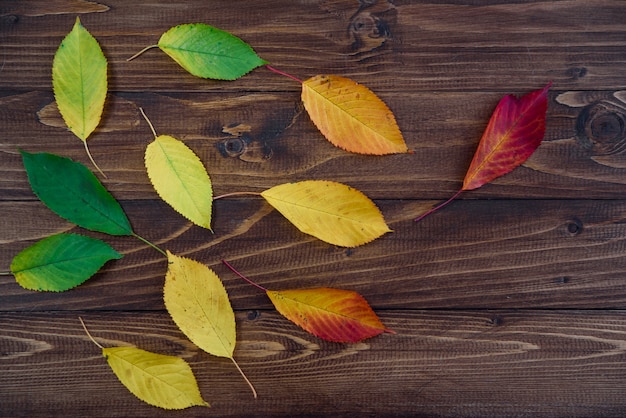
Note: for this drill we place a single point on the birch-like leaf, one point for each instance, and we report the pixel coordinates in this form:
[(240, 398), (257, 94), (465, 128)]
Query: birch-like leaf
[(198, 303), (180, 179), (163, 381), (351, 116), (74, 193), (330, 211), (209, 52), (61, 262), (332, 314), (79, 81)]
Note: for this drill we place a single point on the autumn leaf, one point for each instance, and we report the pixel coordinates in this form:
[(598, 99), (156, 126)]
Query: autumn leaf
[(79, 82), (198, 303), (351, 116), (159, 380), (515, 130), (331, 314), (180, 179), (61, 262), (330, 211), (208, 52), (71, 191)]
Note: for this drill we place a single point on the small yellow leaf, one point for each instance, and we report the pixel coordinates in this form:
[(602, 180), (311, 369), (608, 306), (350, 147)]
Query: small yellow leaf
[(180, 179), (164, 381), (198, 303), (351, 116), (330, 211)]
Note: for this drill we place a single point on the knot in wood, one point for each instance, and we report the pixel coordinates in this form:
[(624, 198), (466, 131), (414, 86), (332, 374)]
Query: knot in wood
[(370, 26), (245, 148), (601, 128)]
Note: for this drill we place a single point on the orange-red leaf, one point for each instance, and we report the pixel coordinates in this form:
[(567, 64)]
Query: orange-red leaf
[(332, 314), (351, 116), (514, 132)]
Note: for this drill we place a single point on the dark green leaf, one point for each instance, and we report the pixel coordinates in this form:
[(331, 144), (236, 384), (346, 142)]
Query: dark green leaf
[(74, 193), (61, 262)]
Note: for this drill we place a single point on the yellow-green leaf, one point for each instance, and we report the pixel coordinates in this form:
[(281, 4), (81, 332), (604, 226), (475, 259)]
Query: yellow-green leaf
[(351, 116), (198, 303), (79, 82), (330, 211), (180, 179), (164, 381)]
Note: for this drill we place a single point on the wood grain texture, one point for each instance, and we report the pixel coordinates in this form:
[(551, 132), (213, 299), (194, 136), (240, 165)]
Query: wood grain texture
[(491, 363), (254, 141), (510, 302), (416, 45), (473, 254)]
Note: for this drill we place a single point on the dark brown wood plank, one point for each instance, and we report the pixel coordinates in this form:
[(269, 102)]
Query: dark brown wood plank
[(446, 364), (393, 46), (583, 154), (472, 254)]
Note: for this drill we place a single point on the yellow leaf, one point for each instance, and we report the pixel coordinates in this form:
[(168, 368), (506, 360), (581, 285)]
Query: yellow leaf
[(351, 116), (79, 80), (330, 211), (198, 303), (180, 179), (164, 381)]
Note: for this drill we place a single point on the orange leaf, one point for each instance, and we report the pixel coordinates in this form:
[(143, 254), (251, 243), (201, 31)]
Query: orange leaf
[(332, 314), (351, 116)]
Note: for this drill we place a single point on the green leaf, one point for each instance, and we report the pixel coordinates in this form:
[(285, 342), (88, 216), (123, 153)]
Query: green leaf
[(163, 381), (180, 179), (79, 81), (74, 193), (61, 262), (208, 52)]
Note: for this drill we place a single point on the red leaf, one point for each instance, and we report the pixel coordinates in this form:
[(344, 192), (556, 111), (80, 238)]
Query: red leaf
[(514, 132)]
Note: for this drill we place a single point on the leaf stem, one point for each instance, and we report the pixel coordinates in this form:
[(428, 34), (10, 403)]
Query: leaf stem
[(436, 208), (227, 264), (149, 243), (149, 123), (237, 194), (5, 273), (141, 52), (92, 160), (244, 377), (277, 71), (88, 334)]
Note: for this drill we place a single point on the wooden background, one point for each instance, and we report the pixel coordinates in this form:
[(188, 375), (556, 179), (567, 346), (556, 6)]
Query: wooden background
[(510, 302)]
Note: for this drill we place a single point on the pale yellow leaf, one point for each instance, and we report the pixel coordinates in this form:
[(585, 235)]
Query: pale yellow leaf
[(198, 303), (330, 211), (164, 381), (351, 116), (180, 179)]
